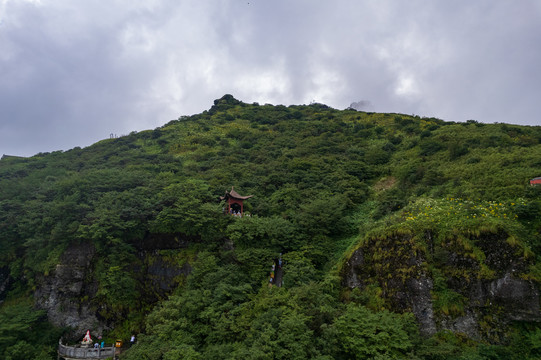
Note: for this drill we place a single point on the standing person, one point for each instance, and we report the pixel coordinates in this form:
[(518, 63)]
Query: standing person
[(132, 340)]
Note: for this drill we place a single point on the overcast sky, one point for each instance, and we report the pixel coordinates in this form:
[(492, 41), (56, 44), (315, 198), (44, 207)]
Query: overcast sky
[(73, 72)]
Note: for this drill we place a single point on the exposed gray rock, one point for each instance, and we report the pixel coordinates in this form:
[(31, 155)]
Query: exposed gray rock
[(354, 263), (519, 298), (61, 293), (467, 324), (68, 293), (421, 304), (407, 285), (163, 275)]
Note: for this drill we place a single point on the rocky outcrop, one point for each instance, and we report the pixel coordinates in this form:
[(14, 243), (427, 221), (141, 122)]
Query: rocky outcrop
[(487, 292), (161, 275), (501, 300), (69, 293), (353, 270), (421, 303), (519, 296), (399, 268), (63, 291)]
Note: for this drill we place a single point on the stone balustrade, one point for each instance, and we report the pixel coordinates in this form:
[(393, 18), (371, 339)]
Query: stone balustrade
[(77, 352)]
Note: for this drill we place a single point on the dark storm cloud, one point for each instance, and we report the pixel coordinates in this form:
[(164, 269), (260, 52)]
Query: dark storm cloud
[(74, 72)]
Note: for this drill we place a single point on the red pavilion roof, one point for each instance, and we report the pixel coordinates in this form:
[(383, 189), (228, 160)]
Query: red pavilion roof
[(235, 195)]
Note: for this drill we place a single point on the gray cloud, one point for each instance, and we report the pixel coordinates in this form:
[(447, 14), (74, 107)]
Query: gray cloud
[(74, 72), (363, 105)]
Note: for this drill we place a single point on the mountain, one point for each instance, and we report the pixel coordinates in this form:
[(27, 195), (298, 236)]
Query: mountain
[(400, 237)]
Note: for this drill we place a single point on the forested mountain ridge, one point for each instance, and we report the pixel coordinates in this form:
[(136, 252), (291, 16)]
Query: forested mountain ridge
[(399, 235)]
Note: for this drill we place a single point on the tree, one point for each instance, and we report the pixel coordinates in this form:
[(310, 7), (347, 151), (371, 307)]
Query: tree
[(362, 334)]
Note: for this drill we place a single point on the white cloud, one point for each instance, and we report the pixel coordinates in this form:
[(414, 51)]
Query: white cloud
[(77, 71), (406, 86)]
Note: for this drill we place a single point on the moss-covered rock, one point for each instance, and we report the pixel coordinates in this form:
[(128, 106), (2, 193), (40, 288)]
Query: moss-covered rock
[(471, 282)]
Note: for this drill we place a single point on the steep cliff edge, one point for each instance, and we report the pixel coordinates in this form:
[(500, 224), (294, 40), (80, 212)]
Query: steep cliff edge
[(61, 293), (475, 283), (72, 294)]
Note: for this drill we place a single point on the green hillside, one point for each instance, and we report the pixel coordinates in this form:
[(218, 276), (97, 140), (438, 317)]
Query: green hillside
[(129, 236)]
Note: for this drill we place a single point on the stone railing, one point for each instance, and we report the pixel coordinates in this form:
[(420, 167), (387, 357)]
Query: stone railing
[(76, 352)]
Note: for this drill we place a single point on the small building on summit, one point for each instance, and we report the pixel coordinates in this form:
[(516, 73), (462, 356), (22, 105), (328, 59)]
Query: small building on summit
[(535, 181), (235, 201)]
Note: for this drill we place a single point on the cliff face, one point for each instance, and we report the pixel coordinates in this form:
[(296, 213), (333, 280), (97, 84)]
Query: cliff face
[(476, 285), (61, 293), (70, 296)]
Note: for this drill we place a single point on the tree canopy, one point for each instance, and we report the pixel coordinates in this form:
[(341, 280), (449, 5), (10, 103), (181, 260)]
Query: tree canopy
[(324, 180)]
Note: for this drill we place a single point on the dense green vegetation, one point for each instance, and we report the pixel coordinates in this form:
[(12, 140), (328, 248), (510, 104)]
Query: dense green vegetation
[(325, 182)]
